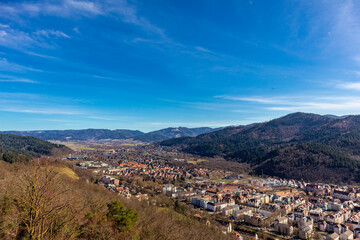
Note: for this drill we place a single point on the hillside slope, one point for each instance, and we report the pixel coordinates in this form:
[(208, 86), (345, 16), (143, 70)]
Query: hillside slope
[(18, 148), (172, 132), (71, 206), (299, 145)]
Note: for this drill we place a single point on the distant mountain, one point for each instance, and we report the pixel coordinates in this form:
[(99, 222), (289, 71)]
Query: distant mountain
[(172, 132), (334, 116), (79, 135), (299, 145), (101, 134), (18, 148)]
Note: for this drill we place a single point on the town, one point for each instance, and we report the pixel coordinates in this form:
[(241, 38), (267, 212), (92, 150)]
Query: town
[(246, 205)]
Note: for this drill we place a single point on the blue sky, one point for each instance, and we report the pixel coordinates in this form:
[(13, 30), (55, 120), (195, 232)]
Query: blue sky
[(146, 65)]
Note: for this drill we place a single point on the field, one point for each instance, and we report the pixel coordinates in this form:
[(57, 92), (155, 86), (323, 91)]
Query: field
[(197, 161), (66, 171)]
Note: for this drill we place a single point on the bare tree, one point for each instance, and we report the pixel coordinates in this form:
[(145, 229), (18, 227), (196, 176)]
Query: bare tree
[(45, 205)]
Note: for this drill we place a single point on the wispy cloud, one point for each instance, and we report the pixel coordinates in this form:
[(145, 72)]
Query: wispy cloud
[(19, 80), (202, 49), (102, 118), (39, 110), (351, 105), (205, 104), (321, 104), (349, 85), (196, 124), (257, 99), (5, 65), (51, 33), (129, 14), (77, 8), (15, 39), (53, 120), (83, 6), (41, 55), (65, 8), (21, 40), (37, 104)]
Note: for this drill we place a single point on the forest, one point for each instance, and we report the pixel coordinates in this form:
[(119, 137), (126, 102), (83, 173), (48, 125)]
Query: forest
[(15, 148), (287, 146)]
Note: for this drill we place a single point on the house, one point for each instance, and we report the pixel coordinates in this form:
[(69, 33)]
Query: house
[(255, 219), (283, 227), (305, 233), (316, 215), (333, 236), (200, 201), (229, 210), (314, 188), (344, 195), (347, 235), (214, 207), (240, 213), (334, 218), (323, 226), (337, 228)]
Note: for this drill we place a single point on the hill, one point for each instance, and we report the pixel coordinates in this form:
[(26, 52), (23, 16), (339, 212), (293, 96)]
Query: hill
[(68, 204), (18, 148), (79, 135), (172, 132), (101, 134), (299, 145)]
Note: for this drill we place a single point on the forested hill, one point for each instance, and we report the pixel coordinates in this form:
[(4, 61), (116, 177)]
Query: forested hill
[(18, 148), (172, 132), (79, 135), (119, 134), (298, 145)]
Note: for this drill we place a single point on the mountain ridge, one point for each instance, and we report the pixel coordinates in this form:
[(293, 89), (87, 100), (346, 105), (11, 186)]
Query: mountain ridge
[(102, 134), (298, 145)]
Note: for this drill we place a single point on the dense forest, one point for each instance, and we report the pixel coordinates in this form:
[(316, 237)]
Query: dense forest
[(299, 145), (15, 148)]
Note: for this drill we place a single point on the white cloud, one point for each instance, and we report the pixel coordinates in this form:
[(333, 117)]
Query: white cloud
[(350, 106), (39, 110), (41, 55), (349, 85), (84, 6), (257, 99), (15, 39), (76, 8), (14, 67), (129, 14), (20, 40), (65, 8), (20, 80), (101, 118), (196, 124), (315, 104), (202, 49), (50, 33), (37, 104)]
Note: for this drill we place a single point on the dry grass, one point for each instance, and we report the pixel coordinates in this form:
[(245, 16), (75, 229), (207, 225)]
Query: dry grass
[(66, 171)]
